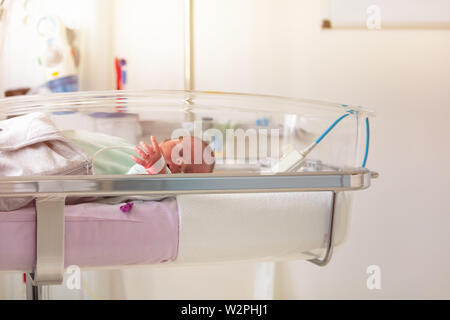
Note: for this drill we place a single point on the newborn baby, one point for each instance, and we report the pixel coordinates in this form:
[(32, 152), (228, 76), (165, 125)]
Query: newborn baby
[(182, 155)]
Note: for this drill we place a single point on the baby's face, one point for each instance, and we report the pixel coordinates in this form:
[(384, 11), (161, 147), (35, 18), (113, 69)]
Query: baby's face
[(174, 152)]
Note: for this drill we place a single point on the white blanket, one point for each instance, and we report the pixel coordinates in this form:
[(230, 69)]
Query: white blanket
[(31, 145)]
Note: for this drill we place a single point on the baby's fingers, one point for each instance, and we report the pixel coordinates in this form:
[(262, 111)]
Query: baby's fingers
[(146, 147), (139, 161), (154, 144), (141, 153)]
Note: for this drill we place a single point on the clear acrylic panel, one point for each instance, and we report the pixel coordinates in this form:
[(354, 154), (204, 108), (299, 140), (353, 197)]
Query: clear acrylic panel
[(248, 133)]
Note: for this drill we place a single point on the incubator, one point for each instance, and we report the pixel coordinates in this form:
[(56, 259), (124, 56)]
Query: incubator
[(280, 189)]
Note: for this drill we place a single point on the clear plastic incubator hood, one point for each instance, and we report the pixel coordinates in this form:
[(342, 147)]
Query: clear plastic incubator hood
[(278, 185)]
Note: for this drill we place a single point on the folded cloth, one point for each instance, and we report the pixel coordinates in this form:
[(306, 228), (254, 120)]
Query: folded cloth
[(31, 145)]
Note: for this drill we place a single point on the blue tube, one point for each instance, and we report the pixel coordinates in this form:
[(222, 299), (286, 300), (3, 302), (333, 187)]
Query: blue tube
[(366, 153), (331, 127)]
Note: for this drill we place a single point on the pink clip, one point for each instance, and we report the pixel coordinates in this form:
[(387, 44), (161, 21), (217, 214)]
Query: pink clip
[(127, 207)]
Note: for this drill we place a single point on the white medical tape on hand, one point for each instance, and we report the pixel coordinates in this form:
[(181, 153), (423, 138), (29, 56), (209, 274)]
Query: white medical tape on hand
[(157, 166)]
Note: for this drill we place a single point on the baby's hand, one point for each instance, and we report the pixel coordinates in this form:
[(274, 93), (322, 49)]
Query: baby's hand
[(150, 155)]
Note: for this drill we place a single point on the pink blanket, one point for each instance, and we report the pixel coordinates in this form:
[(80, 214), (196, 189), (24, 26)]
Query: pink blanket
[(97, 235)]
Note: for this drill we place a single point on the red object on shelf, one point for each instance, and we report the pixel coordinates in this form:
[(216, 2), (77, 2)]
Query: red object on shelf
[(118, 78), (118, 74)]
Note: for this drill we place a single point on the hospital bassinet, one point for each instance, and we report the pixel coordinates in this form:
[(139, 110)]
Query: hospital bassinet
[(244, 210)]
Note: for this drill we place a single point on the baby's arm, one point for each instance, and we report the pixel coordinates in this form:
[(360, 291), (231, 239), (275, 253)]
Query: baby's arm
[(151, 158)]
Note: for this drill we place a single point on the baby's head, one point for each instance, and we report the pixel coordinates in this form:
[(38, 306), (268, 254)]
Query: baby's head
[(188, 155)]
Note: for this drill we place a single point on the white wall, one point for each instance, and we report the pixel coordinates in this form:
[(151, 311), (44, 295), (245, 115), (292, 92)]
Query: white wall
[(96, 45), (149, 34)]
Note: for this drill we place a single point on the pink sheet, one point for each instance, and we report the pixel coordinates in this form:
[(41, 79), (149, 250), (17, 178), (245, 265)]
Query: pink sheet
[(97, 235)]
